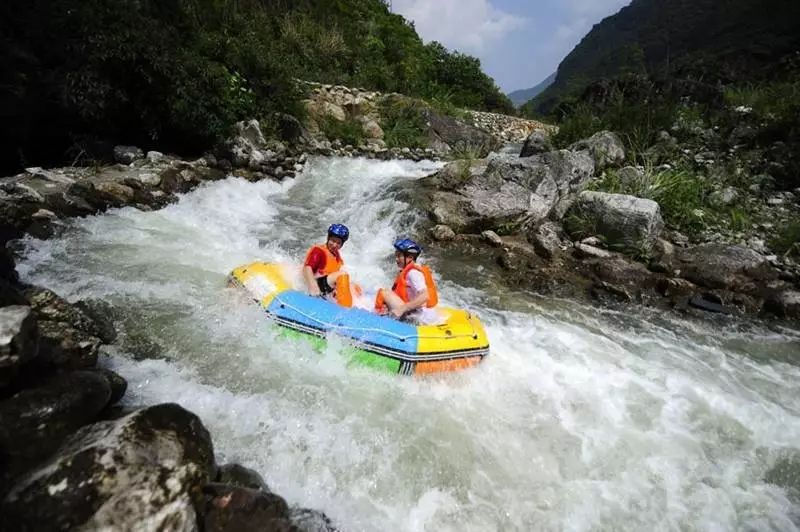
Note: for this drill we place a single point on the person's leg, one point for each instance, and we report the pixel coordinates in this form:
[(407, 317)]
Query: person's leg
[(340, 283), (391, 299)]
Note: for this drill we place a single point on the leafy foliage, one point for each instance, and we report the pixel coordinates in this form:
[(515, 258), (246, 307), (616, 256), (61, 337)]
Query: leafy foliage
[(176, 74)]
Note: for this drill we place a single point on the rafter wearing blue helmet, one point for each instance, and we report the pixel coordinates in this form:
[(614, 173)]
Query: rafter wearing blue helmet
[(322, 268), (413, 294)]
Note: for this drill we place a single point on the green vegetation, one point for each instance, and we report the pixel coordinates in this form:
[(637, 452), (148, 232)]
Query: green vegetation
[(348, 131), (707, 40), (176, 74), (404, 123), (787, 242)]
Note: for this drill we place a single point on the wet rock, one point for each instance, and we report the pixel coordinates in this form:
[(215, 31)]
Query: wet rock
[(49, 306), (115, 194), (62, 346), (675, 287), (116, 382), (144, 471), (785, 304), (625, 222), (442, 233), (34, 422), (307, 520), (723, 266), (240, 476), (19, 340), (127, 154), (605, 147), (601, 289), (236, 509), (537, 142), (709, 303), (10, 294), (620, 271), (101, 314)]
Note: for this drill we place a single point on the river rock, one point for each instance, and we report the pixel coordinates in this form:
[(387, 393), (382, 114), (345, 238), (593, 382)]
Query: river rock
[(492, 238), (590, 252), (127, 154), (306, 520), (62, 346), (537, 142), (237, 509), (35, 421), (19, 340), (785, 304), (144, 471), (243, 477), (446, 133), (723, 266), (49, 306), (625, 222), (442, 233), (605, 147), (546, 239), (504, 190), (101, 314), (116, 382)]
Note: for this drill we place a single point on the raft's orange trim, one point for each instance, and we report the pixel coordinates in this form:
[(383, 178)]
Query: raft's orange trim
[(437, 366)]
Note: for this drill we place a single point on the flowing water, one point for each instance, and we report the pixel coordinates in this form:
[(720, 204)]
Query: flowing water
[(580, 419)]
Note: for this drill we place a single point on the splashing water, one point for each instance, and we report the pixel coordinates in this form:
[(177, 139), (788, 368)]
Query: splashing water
[(579, 420)]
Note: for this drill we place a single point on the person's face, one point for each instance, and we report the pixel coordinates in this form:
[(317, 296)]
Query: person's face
[(334, 244), (401, 259)]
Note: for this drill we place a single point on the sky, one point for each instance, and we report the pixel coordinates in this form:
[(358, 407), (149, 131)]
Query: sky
[(519, 42)]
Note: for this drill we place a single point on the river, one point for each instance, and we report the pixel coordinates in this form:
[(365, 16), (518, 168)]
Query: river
[(580, 419)]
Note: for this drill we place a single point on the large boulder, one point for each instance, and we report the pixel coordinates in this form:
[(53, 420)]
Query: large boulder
[(723, 266), (605, 147), (34, 422), (537, 142), (505, 190), (127, 154), (144, 471), (446, 133), (625, 222), (785, 304), (19, 340), (238, 509)]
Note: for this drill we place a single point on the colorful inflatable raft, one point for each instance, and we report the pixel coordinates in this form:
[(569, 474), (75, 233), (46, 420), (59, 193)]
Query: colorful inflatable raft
[(376, 341)]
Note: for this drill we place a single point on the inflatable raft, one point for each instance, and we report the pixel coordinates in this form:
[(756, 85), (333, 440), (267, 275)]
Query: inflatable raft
[(376, 341)]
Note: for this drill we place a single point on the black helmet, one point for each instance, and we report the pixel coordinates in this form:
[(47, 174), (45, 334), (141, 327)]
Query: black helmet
[(339, 231)]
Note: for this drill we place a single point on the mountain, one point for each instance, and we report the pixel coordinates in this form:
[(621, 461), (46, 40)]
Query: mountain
[(708, 40), (523, 95)]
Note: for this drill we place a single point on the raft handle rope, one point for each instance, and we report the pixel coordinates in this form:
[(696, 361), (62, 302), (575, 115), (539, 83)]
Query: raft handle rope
[(402, 338)]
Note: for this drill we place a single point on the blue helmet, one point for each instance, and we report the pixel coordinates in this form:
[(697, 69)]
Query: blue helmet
[(406, 245), (340, 231)]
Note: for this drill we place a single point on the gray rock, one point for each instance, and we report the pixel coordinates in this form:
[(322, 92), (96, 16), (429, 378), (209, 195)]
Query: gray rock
[(605, 147), (723, 266), (144, 471), (629, 176), (61, 346), (537, 142), (625, 222), (19, 340), (590, 252), (492, 238), (306, 520), (446, 133), (785, 304), (726, 196), (127, 154), (34, 422), (442, 233), (505, 190), (546, 239), (155, 157)]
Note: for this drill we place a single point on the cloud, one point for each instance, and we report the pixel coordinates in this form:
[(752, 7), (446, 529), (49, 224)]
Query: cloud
[(471, 26)]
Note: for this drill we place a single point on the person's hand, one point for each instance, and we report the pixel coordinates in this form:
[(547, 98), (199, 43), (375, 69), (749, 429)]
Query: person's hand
[(314, 291)]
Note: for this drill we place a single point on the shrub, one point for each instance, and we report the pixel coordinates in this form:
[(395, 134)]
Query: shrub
[(348, 131), (403, 123)]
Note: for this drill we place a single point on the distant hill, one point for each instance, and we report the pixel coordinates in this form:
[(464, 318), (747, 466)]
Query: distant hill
[(523, 95), (708, 40)]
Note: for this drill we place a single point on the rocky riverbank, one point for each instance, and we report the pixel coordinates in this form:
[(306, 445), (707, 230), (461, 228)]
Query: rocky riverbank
[(533, 214), (70, 454)]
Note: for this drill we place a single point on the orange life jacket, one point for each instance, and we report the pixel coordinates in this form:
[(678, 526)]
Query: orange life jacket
[(399, 287), (332, 262)]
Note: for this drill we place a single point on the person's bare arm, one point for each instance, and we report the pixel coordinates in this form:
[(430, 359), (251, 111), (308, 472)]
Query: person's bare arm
[(414, 304), (311, 281)]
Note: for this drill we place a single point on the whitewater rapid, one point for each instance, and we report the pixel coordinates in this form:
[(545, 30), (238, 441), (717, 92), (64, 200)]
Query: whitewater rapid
[(580, 419)]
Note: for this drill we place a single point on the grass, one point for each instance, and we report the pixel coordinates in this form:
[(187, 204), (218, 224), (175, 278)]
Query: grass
[(404, 123), (787, 242), (348, 131)]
